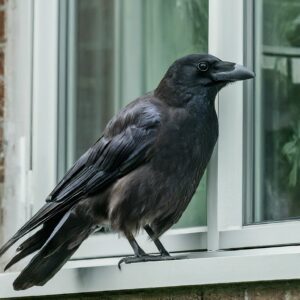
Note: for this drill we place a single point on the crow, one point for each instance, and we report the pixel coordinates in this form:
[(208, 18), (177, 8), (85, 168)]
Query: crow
[(140, 174)]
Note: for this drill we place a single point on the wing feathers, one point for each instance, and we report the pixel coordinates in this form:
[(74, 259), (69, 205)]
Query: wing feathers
[(56, 251), (126, 143)]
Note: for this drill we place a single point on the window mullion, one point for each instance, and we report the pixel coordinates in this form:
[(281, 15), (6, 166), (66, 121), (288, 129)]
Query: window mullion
[(226, 38), (45, 92), (258, 119), (212, 172)]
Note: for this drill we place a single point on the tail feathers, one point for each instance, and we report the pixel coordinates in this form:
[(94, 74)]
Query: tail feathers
[(30, 245), (49, 213), (66, 238), (8, 244)]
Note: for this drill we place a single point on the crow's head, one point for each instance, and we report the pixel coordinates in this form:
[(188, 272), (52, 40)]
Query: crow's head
[(196, 73)]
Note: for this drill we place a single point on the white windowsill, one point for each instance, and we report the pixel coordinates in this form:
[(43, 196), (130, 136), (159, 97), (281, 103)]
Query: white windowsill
[(199, 269)]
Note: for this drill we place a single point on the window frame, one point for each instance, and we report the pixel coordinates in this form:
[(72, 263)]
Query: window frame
[(236, 154), (202, 268), (228, 229), (128, 57), (225, 228)]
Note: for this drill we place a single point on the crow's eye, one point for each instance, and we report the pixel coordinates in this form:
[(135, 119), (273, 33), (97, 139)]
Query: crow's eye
[(202, 66)]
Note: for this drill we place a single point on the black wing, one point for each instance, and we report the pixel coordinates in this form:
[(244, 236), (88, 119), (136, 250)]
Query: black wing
[(127, 142)]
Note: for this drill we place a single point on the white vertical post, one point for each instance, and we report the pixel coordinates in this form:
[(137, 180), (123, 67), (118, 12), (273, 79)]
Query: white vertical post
[(212, 171), (117, 54), (212, 203), (258, 116), (71, 81), (226, 42), (45, 94)]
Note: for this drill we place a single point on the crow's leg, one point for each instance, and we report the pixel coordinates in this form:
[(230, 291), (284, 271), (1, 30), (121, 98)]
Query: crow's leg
[(141, 255), (138, 251), (156, 241)]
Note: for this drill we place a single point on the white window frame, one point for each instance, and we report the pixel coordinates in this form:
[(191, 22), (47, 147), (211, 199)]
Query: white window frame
[(229, 40), (230, 154), (226, 186), (129, 59)]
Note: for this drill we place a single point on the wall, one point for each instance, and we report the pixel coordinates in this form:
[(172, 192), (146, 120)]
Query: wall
[(280, 290), (2, 95)]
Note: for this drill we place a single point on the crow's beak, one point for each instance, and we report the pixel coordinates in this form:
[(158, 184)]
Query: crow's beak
[(230, 72)]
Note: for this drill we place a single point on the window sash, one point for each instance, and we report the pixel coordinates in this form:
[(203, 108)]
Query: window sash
[(45, 89), (261, 235), (225, 207), (98, 245), (226, 181), (232, 176)]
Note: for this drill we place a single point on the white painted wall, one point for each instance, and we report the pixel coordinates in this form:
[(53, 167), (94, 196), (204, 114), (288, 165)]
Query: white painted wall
[(18, 66)]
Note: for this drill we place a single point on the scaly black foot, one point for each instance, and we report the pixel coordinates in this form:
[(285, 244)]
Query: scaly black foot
[(156, 241), (147, 257)]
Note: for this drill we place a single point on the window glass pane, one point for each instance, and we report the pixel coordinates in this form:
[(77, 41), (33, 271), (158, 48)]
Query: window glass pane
[(120, 51), (174, 29), (94, 71), (277, 110)]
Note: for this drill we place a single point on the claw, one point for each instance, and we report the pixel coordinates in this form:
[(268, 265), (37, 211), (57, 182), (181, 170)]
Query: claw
[(128, 260), (145, 258), (120, 262)]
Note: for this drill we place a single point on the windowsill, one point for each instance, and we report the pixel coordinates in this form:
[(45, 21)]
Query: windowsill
[(200, 268)]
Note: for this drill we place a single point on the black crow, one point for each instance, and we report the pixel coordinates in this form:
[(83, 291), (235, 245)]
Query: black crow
[(141, 173)]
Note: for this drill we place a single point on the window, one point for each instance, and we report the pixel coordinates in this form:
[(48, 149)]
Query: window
[(92, 50), (277, 112), (113, 52), (257, 136)]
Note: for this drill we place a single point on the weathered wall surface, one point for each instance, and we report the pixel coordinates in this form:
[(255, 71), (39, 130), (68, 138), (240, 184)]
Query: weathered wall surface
[(2, 93), (280, 290)]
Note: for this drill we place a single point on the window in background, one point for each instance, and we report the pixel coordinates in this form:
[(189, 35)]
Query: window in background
[(277, 111), (118, 50)]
